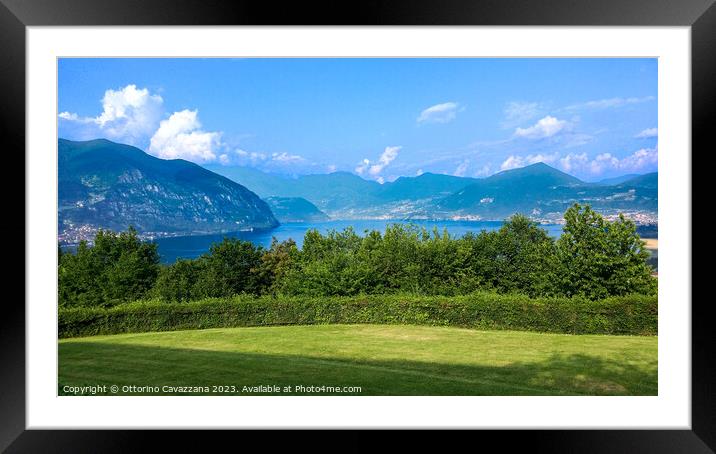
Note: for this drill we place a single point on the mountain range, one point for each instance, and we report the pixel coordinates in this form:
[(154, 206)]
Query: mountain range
[(545, 192), (538, 190), (295, 209), (103, 184)]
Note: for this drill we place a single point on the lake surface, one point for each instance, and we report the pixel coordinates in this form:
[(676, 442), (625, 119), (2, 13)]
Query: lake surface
[(170, 249)]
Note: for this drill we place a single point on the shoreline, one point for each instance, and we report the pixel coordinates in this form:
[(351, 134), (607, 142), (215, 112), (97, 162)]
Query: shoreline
[(651, 243)]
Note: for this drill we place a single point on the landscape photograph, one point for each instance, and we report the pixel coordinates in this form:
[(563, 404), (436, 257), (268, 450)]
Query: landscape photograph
[(357, 226)]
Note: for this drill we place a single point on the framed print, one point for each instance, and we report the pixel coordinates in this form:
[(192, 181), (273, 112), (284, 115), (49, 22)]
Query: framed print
[(419, 216)]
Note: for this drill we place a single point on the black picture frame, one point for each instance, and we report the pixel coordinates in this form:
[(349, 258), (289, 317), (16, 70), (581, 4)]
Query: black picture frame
[(700, 15)]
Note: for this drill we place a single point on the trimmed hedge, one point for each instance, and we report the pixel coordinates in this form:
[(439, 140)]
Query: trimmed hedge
[(633, 314)]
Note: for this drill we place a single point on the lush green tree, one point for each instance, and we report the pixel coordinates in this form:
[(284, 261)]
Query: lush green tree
[(180, 281), (593, 258), (526, 257), (396, 259), (116, 268), (519, 257), (439, 264), (479, 254), (599, 258), (77, 278), (230, 268), (276, 262), (327, 265)]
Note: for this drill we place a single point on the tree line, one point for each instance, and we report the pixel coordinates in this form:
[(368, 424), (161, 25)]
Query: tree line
[(593, 258)]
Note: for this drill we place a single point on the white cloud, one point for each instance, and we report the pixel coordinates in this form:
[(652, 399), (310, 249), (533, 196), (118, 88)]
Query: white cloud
[(134, 116), (577, 140), (363, 166), (645, 159), (483, 171), (69, 116), (419, 172), (129, 115), (388, 155), (180, 137), (375, 168), (517, 112), (574, 162), (265, 161), (331, 168), (439, 113), (125, 103), (461, 169), (609, 103), (514, 162), (242, 157), (641, 160), (286, 158), (255, 156), (650, 132), (603, 162), (546, 127)]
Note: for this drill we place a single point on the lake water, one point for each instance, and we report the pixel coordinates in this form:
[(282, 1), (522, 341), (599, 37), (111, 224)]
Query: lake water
[(170, 249)]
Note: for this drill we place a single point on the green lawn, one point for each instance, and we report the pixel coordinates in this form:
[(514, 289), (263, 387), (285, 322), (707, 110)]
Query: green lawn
[(381, 359)]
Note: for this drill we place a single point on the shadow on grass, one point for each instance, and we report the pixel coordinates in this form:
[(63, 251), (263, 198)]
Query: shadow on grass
[(92, 363)]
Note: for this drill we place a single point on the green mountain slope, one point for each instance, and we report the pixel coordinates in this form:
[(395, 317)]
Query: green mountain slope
[(537, 190), (648, 180), (427, 185), (109, 185), (616, 180), (295, 209), (540, 191), (329, 192)]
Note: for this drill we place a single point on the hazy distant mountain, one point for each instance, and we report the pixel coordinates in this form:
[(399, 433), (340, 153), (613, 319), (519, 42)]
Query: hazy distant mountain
[(333, 191), (109, 185), (538, 190), (543, 191), (262, 183), (343, 190), (427, 185), (518, 190), (616, 180), (649, 180), (295, 209), (336, 191)]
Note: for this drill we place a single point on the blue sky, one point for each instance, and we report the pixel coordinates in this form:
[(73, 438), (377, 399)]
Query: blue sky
[(379, 118)]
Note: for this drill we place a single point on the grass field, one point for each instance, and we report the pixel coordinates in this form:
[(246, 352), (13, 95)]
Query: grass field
[(381, 360)]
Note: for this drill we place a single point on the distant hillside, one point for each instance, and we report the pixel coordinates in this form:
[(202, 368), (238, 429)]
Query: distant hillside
[(542, 191), (517, 190), (336, 191), (616, 180), (262, 183), (329, 192), (108, 185), (103, 184), (649, 180), (538, 190), (295, 209), (427, 185)]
